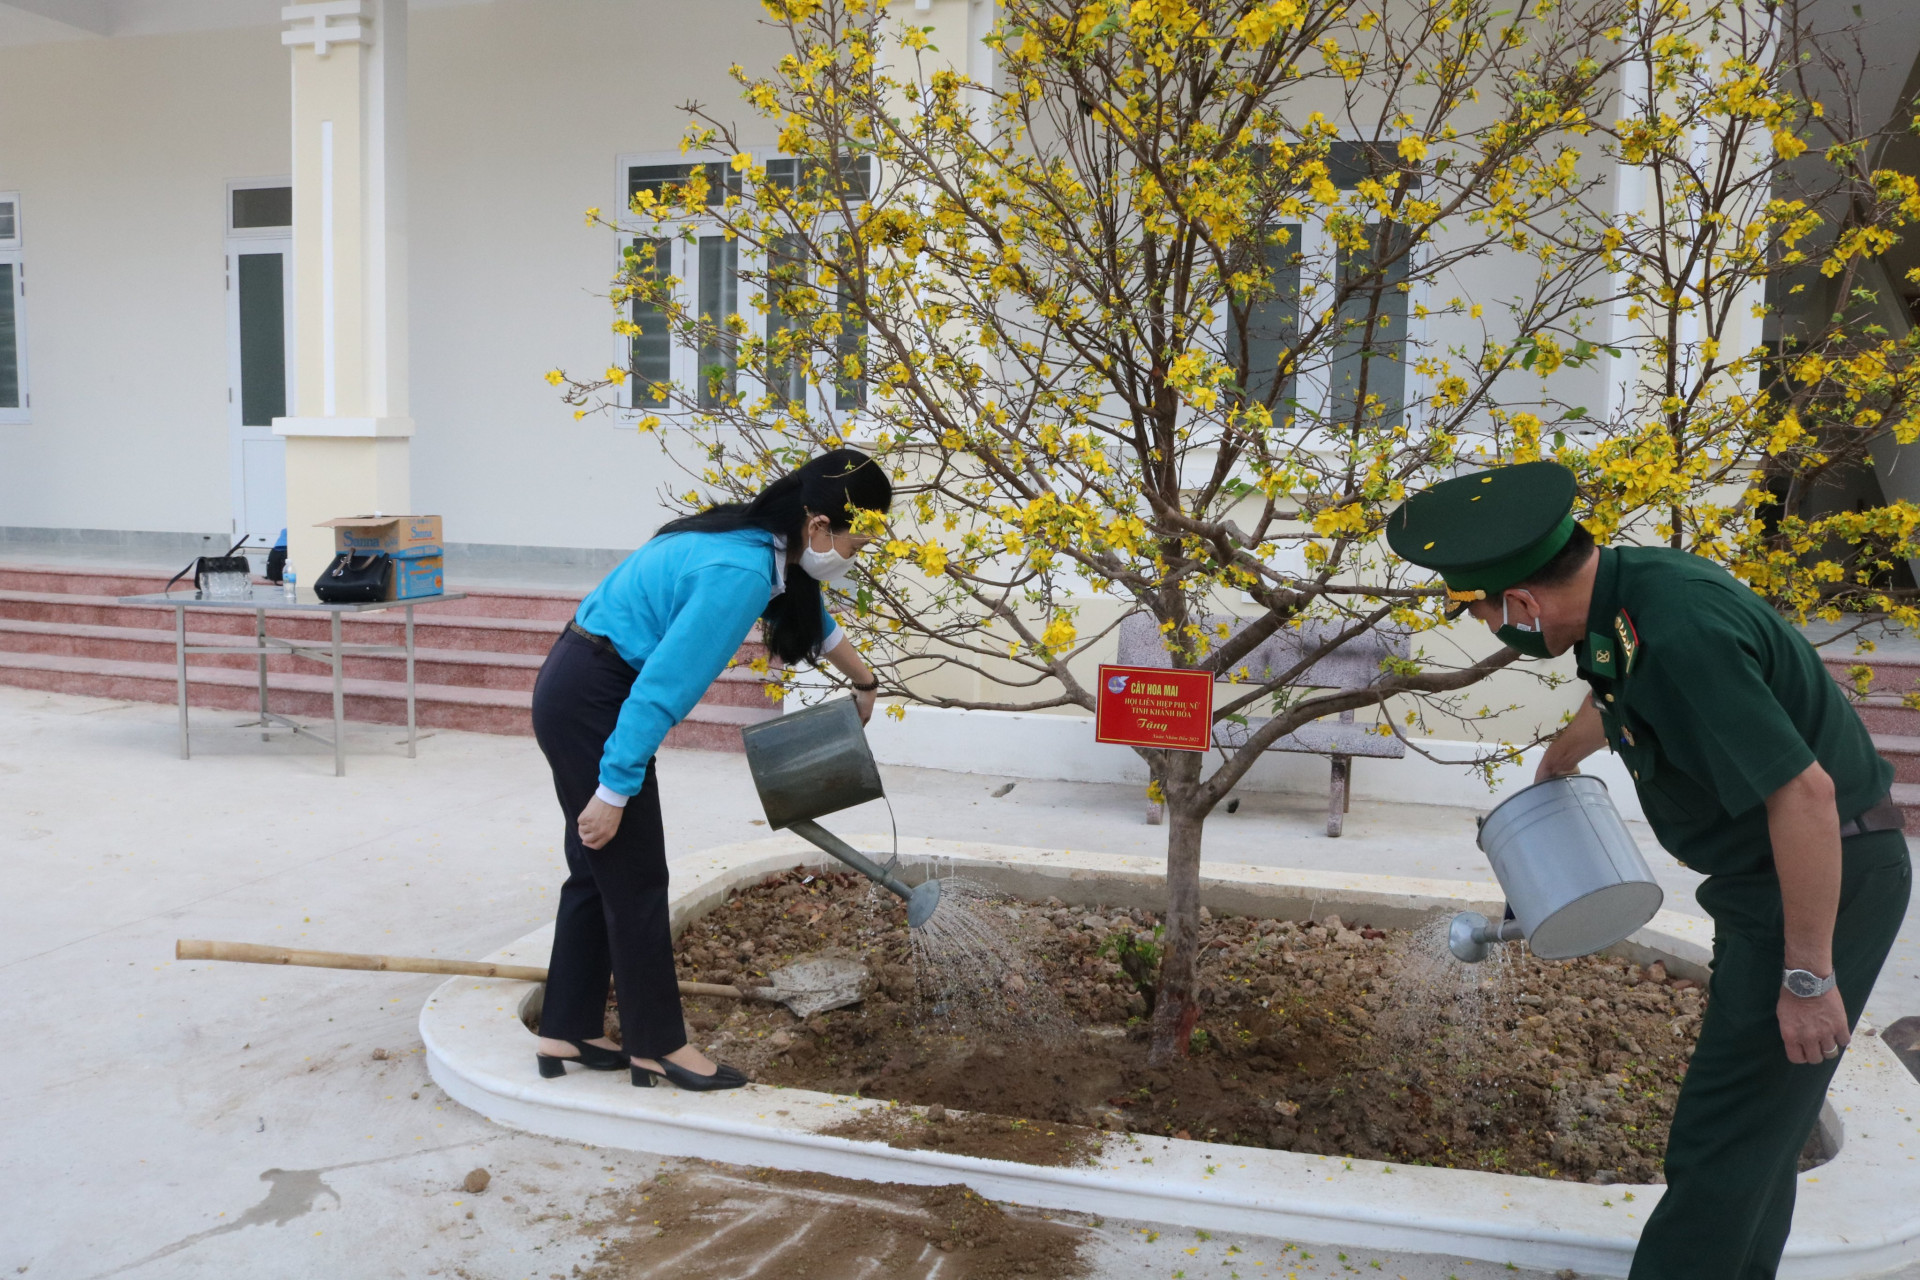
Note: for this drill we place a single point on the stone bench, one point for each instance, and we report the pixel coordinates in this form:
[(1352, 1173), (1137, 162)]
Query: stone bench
[(1354, 665)]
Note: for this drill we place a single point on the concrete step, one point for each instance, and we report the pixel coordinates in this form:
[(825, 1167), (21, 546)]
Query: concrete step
[(739, 686), (468, 667), (518, 602), (477, 709), (1902, 752), (1907, 796), (1882, 713), (717, 728), (1890, 675), (88, 580), (92, 580), (107, 580), (436, 626)]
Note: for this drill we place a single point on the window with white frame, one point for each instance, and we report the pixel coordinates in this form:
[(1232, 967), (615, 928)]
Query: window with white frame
[(650, 349), (15, 400), (260, 207), (1369, 357), (1369, 354), (707, 266), (1273, 320)]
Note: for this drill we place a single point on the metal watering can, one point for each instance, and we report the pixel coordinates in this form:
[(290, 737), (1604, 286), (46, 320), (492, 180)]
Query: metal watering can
[(810, 763), (1574, 878)]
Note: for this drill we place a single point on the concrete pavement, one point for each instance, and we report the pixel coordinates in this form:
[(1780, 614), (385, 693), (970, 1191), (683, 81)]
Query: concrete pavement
[(176, 1119)]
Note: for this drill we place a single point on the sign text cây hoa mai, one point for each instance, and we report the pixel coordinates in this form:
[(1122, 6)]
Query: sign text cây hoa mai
[(1155, 707)]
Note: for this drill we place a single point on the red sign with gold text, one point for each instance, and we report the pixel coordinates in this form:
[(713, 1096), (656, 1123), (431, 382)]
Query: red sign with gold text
[(1155, 707)]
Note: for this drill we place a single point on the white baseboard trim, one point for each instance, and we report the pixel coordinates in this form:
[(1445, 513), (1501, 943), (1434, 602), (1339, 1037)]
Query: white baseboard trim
[(1018, 744)]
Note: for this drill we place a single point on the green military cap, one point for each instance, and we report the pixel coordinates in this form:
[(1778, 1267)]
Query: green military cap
[(1485, 531)]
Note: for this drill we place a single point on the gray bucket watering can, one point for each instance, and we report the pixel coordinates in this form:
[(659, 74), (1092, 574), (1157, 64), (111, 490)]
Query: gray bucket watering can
[(810, 763), (1573, 875)]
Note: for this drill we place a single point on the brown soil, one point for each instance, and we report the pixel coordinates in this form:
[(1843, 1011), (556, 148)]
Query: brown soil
[(717, 1223), (991, 1137), (1903, 1037), (1323, 1037)]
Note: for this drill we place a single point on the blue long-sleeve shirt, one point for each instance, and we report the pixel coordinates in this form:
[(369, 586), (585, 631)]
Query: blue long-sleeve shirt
[(677, 610)]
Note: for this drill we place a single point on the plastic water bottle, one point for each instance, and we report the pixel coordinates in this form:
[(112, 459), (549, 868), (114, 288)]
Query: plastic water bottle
[(287, 578)]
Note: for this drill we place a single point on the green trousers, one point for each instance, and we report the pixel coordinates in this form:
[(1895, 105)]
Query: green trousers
[(1744, 1111)]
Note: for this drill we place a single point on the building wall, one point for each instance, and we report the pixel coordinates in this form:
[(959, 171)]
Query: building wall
[(519, 113), (121, 150)]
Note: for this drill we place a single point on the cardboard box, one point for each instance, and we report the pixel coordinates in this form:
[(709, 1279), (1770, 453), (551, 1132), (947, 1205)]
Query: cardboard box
[(417, 571), (419, 560), (383, 533)]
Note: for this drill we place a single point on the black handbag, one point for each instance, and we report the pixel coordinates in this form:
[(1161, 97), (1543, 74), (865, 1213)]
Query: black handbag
[(201, 566), (356, 579)]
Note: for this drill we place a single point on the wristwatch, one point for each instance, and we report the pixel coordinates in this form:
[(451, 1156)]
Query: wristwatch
[(1806, 984)]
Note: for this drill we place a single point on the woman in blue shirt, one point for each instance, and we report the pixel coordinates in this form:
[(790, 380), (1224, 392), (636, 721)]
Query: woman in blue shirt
[(641, 649)]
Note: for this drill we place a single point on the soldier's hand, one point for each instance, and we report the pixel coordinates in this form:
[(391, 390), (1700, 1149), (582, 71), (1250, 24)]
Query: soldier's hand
[(1580, 738), (1810, 1028), (1550, 768)]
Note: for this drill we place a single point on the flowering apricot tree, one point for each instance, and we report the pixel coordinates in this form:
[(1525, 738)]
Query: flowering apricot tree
[(1163, 316)]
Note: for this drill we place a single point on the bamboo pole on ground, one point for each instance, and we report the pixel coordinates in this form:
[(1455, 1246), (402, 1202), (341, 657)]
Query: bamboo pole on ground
[(254, 953)]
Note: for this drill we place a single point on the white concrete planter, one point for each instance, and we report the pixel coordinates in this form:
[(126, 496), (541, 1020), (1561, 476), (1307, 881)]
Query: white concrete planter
[(1858, 1215)]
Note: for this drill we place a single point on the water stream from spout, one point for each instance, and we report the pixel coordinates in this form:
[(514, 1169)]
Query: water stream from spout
[(975, 972), (1437, 1001)]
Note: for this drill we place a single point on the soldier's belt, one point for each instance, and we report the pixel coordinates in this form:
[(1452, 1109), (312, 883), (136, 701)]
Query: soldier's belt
[(1885, 816)]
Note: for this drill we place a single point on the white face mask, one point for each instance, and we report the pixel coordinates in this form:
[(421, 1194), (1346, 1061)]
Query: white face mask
[(1517, 626), (825, 566)]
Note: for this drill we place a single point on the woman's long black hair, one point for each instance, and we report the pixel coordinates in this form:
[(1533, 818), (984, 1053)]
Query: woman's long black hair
[(830, 485)]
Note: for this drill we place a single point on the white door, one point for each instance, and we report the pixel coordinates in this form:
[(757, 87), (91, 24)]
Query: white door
[(259, 310), (259, 270)]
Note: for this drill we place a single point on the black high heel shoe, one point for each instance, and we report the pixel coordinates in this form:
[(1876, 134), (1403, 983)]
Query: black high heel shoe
[(642, 1078), (723, 1077), (593, 1057)]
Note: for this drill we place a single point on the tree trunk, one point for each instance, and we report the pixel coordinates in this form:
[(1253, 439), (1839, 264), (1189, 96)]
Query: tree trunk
[(1177, 1007)]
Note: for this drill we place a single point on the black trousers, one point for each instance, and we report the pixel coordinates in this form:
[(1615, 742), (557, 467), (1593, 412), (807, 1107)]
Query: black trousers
[(613, 907)]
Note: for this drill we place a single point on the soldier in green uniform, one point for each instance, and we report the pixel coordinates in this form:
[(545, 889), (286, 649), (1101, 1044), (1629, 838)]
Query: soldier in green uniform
[(1754, 770)]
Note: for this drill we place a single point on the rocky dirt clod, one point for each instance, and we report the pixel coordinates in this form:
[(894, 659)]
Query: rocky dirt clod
[(477, 1181)]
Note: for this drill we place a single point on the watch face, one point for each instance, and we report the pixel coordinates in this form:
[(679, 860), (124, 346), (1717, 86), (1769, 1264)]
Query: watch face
[(1801, 983)]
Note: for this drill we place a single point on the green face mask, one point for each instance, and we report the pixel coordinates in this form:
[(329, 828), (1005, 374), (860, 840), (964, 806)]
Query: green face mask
[(1530, 643)]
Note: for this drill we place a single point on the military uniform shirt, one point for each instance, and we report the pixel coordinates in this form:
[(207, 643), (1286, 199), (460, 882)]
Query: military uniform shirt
[(1714, 703)]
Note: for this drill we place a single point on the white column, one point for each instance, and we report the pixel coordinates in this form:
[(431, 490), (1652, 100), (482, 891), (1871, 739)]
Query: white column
[(347, 440)]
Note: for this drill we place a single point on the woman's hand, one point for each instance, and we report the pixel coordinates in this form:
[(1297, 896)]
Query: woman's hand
[(847, 661), (598, 823)]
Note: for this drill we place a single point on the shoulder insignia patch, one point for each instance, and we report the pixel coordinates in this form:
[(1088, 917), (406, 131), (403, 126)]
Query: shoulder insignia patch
[(1600, 651), (1629, 641)]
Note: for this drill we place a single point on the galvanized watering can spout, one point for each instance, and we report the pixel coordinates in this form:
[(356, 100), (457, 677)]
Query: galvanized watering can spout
[(1472, 935), (1572, 872), (920, 902), (814, 762)]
